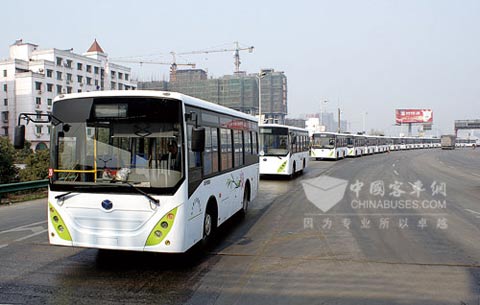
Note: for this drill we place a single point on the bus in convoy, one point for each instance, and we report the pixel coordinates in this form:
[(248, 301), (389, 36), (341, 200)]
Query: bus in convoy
[(329, 145), (371, 144), (283, 149), (145, 170), (355, 145), (447, 141), (465, 142)]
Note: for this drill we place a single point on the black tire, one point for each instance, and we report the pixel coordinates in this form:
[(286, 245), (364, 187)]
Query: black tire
[(209, 225), (294, 170), (245, 202)]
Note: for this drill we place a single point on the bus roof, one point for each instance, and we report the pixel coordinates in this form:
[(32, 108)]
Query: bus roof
[(283, 126), (188, 100), (333, 133)]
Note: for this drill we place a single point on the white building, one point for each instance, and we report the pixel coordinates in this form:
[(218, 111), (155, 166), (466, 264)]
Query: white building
[(31, 78), (313, 125)]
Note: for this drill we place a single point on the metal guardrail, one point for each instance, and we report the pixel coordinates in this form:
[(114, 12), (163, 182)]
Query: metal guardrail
[(22, 186)]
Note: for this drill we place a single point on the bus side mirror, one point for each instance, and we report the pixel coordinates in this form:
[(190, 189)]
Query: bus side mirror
[(19, 137), (198, 139)]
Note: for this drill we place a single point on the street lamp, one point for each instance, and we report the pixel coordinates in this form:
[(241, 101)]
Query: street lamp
[(364, 118), (259, 76), (321, 111)]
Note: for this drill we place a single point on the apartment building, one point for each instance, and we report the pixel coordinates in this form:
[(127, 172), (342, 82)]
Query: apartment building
[(31, 78)]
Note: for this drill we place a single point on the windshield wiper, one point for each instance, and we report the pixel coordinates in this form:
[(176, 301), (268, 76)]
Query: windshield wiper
[(156, 201), (62, 195)]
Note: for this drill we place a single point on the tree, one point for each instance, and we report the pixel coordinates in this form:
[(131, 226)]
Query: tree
[(36, 166), (8, 171), (22, 154)]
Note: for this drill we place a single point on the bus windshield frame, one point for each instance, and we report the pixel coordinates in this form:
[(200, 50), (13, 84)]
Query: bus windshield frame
[(324, 141), (114, 143), (274, 141)]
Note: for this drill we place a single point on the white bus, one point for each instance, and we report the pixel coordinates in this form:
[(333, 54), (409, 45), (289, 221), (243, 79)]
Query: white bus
[(329, 145), (146, 170), (355, 145), (371, 145), (283, 149)]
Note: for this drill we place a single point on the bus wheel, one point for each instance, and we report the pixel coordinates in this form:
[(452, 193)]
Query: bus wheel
[(246, 201), (294, 170), (209, 223)]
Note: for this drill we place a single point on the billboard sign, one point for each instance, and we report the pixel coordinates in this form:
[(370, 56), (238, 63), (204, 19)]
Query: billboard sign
[(406, 116)]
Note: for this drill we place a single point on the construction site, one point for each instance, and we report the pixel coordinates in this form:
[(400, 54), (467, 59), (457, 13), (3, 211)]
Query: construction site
[(263, 93)]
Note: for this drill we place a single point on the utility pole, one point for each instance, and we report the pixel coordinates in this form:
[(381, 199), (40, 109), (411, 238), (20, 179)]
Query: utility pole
[(364, 119), (259, 76), (338, 120)]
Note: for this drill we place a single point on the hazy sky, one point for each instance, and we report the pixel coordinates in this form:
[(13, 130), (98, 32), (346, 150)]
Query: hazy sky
[(363, 56)]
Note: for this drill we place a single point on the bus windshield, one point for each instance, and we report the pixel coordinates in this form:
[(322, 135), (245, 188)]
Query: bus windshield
[(117, 141), (323, 141), (274, 141), (350, 142)]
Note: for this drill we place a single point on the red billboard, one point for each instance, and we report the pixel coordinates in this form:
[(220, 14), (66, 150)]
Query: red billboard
[(406, 116)]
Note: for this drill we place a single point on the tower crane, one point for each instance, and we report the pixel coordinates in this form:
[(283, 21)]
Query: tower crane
[(236, 55), (173, 64)]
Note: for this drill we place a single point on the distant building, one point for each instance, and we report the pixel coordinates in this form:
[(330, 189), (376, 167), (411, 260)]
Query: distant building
[(325, 121), (30, 79), (194, 82), (300, 123), (312, 124), (274, 96), (239, 91), (153, 85)]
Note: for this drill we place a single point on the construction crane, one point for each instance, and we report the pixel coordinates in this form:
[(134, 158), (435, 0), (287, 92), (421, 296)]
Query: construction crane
[(236, 55), (173, 64)]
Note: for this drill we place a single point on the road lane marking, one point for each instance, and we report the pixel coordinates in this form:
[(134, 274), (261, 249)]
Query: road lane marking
[(31, 235), (393, 164), (3, 246), (26, 227), (475, 174), (472, 211), (396, 173)]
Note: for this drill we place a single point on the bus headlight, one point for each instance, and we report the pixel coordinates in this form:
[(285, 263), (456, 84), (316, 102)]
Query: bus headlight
[(161, 229), (58, 224)]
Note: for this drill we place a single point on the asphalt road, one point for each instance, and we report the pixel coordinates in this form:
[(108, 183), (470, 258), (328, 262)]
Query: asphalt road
[(289, 249)]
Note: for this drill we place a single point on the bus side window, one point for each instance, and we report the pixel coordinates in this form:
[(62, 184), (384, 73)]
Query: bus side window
[(195, 170), (238, 146), (248, 148), (226, 148), (255, 142), (248, 142), (208, 153)]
